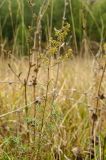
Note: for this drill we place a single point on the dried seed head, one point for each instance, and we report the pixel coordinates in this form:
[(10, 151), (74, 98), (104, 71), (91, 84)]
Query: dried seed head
[(101, 96), (36, 70), (34, 82), (38, 100), (94, 117)]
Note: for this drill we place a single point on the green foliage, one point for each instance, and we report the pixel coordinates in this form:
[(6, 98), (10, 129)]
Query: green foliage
[(58, 41), (97, 20), (12, 14), (21, 38), (15, 13)]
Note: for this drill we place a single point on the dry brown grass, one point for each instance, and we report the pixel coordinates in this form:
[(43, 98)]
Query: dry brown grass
[(66, 120)]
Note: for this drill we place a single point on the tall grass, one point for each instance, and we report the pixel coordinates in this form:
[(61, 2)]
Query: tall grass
[(52, 102)]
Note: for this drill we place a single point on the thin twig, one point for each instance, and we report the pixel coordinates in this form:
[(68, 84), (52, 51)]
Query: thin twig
[(18, 76)]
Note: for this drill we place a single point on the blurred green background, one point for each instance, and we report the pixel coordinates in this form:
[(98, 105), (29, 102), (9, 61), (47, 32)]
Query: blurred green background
[(16, 17)]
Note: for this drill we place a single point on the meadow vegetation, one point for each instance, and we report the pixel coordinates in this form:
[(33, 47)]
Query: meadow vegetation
[(52, 82)]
